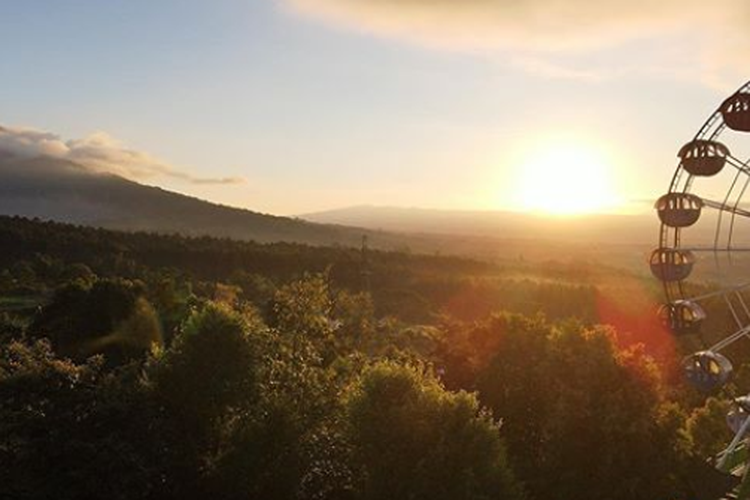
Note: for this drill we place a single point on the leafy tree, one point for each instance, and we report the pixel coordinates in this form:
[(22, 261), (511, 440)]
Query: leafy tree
[(110, 317), (304, 308), (303, 311), (192, 399), (584, 419), (286, 442), (355, 315), (70, 431), (413, 439), (207, 375), (707, 428), (78, 271)]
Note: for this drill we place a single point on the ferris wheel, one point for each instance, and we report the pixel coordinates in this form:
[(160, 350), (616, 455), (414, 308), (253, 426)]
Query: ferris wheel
[(702, 217)]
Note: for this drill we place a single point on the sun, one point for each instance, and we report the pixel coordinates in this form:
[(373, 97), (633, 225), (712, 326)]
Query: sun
[(565, 179)]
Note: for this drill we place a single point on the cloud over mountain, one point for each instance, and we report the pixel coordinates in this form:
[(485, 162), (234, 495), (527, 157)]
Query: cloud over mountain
[(98, 152)]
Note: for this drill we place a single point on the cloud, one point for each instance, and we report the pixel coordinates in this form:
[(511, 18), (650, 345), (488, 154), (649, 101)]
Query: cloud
[(710, 37), (98, 152)]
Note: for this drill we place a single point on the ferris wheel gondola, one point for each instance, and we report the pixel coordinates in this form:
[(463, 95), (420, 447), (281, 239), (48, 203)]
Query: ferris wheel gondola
[(682, 317)]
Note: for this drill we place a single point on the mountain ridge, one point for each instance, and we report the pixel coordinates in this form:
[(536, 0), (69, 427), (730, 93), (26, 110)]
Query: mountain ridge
[(601, 228), (64, 191)]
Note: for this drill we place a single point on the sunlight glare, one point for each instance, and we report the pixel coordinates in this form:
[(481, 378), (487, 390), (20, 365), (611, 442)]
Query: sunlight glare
[(565, 179)]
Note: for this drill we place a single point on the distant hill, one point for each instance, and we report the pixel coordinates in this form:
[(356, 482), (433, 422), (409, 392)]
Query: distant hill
[(600, 228), (63, 191)]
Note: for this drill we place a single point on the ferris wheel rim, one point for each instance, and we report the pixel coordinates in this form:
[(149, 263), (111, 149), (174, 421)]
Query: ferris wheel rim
[(672, 262), (670, 237)]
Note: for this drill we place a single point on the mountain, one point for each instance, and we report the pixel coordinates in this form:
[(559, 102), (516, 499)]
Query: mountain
[(599, 228), (64, 191), (60, 190)]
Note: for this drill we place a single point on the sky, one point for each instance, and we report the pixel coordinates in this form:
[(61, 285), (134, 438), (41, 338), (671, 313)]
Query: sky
[(297, 106)]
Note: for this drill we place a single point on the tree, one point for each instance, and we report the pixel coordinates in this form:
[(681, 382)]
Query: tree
[(70, 431), (584, 419), (110, 317), (287, 443), (208, 375), (413, 439)]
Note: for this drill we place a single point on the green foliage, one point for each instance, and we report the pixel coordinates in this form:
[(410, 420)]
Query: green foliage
[(256, 405), (580, 412), (707, 429), (235, 370), (173, 300), (414, 288), (413, 439), (355, 314), (256, 288), (140, 330), (210, 368), (110, 317), (304, 307), (69, 431)]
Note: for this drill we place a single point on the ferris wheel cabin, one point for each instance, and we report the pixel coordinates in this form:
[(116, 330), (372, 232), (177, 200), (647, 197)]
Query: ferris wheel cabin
[(707, 370), (669, 264), (679, 209), (738, 413), (736, 112), (743, 403), (703, 158), (682, 317)]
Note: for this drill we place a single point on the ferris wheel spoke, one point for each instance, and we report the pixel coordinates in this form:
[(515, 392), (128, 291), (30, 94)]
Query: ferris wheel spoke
[(743, 327), (715, 249), (742, 166), (739, 435), (732, 208), (730, 339), (725, 204), (705, 132), (733, 312), (719, 293), (735, 208), (742, 302)]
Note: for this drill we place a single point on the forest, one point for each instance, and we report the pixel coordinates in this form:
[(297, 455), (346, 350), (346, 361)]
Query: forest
[(136, 365)]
